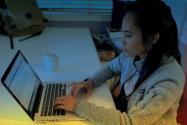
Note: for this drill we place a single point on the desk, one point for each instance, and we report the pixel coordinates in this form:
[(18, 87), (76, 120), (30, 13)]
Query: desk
[(78, 59)]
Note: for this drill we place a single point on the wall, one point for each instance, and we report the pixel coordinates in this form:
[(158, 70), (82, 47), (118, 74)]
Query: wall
[(179, 11), (183, 43), (95, 27), (98, 23)]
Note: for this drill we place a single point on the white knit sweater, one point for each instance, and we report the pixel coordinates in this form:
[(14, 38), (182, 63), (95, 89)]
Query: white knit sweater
[(155, 102)]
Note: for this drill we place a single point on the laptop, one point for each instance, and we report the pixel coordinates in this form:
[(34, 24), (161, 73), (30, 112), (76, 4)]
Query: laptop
[(35, 97)]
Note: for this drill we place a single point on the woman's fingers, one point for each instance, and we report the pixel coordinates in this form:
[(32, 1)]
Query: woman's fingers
[(81, 88), (65, 102), (88, 94), (58, 103), (59, 107), (76, 89), (60, 98)]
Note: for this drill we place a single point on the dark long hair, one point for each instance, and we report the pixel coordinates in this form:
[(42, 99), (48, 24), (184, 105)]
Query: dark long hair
[(154, 16)]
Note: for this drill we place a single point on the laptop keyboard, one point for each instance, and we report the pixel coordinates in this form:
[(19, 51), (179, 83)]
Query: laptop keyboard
[(52, 91)]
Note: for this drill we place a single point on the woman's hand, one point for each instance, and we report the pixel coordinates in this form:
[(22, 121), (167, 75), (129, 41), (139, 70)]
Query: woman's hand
[(85, 86), (67, 103)]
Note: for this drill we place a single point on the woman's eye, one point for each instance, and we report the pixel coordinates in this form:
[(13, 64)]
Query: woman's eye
[(128, 35)]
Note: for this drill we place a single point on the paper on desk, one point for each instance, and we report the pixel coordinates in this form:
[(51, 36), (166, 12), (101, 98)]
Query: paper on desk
[(101, 96)]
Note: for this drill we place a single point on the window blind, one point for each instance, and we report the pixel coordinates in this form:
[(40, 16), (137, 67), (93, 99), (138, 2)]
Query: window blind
[(76, 6)]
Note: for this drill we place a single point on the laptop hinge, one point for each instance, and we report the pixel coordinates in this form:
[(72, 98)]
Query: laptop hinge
[(38, 99)]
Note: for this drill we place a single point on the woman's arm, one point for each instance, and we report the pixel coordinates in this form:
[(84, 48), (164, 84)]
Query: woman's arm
[(145, 111), (98, 115), (112, 68)]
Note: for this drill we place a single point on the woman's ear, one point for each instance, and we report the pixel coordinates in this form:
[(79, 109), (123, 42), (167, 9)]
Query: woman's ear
[(153, 38)]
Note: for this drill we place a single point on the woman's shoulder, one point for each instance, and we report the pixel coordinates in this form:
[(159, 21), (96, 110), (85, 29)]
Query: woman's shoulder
[(169, 72), (170, 69), (169, 63)]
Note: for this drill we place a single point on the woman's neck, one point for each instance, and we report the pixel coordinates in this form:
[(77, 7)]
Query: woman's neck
[(142, 56)]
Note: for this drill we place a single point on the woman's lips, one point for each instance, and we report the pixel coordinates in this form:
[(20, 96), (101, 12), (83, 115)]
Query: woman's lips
[(125, 50)]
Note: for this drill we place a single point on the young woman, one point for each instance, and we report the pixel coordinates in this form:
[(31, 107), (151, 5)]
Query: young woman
[(151, 77)]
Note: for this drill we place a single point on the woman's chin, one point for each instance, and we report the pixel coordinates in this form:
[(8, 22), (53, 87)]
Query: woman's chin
[(127, 54)]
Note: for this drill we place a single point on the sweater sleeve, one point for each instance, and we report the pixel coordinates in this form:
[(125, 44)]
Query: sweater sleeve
[(145, 110), (112, 68), (98, 115), (154, 105)]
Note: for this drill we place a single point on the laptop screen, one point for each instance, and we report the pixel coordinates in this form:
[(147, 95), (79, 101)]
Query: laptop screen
[(22, 82)]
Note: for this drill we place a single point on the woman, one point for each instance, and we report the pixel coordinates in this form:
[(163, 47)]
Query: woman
[(151, 78)]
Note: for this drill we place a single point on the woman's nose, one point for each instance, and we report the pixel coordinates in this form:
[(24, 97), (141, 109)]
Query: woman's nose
[(124, 42)]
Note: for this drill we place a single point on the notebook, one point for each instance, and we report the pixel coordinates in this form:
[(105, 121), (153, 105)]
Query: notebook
[(35, 97)]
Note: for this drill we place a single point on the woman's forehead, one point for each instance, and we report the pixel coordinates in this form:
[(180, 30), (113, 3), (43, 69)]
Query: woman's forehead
[(129, 23)]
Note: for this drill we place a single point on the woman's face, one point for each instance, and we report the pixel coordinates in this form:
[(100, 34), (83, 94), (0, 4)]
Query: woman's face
[(132, 39)]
